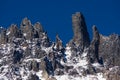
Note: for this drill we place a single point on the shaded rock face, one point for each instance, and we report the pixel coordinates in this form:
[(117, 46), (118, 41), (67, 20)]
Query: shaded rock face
[(33, 77), (27, 29), (59, 45), (81, 36), (33, 65), (3, 37), (94, 46), (38, 30), (105, 49), (113, 74), (28, 54), (17, 56), (109, 50), (13, 31)]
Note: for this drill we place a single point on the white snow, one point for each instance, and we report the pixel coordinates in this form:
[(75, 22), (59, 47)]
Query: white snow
[(99, 76), (24, 48), (68, 52), (8, 33), (24, 34), (96, 65), (47, 50), (63, 77), (82, 63), (39, 74)]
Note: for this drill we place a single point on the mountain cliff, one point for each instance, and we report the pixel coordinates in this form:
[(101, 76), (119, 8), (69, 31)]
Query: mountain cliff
[(26, 53)]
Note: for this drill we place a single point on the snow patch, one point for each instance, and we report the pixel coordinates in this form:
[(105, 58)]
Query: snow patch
[(8, 33)]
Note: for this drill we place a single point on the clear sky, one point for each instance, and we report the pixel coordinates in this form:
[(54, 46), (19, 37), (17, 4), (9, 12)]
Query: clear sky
[(55, 15)]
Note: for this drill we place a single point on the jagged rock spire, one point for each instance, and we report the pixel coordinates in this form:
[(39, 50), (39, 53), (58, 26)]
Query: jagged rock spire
[(96, 35), (13, 31), (81, 36), (38, 30), (38, 27), (3, 37), (59, 45), (25, 22), (94, 46), (27, 28)]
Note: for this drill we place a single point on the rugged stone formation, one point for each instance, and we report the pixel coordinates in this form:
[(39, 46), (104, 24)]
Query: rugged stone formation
[(94, 46), (113, 73), (58, 45), (28, 54), (13, 32), (38, 30), (3, 37), (105, 49), (109, 50), (81, 36), (27, 29)]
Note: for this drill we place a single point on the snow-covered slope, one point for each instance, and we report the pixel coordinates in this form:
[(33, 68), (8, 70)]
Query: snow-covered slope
[(20, 70)]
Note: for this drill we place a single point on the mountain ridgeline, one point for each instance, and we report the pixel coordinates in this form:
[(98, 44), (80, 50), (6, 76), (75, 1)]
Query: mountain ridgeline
[(26, 53)]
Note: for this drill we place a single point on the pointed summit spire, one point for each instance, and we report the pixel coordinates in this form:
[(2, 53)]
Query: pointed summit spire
[(27, 28), (59, 44), (96, 35), (81, 36)]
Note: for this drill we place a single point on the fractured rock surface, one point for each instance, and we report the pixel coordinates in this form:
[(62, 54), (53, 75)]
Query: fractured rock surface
[(27, 53)]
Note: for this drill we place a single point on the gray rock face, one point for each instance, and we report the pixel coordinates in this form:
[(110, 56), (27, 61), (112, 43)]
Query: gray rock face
[(113, 74), (105, 49), (13, 31), (81, 36), (38, 30), (33, 77), (3, 37), (27, 29), (109, 50), (59, 44), (33, 65), (28, 53), (94, 46)]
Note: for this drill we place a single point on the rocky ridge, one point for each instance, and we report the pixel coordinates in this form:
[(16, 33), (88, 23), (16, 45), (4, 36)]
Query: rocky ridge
[(28, 54)]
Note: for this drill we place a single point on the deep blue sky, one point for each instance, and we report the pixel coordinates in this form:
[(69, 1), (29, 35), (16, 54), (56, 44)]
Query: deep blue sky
[(55, 15)]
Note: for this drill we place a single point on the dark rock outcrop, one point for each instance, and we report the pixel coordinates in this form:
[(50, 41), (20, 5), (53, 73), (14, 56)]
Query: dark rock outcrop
[(109, 50), (34, 65), (113, 73), (105, 49), (27, 29), (58, 45), (81, 36), (33, 77), (3, 37), (13, 32), (94, 46), (17, 55), (38, 30)]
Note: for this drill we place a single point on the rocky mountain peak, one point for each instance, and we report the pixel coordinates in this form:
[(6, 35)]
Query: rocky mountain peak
[(25, 22), (96, 35), (28, 54), (81, 36), (38, 27), (13, 31), (27, 29), (3, 37), (59, 44)]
